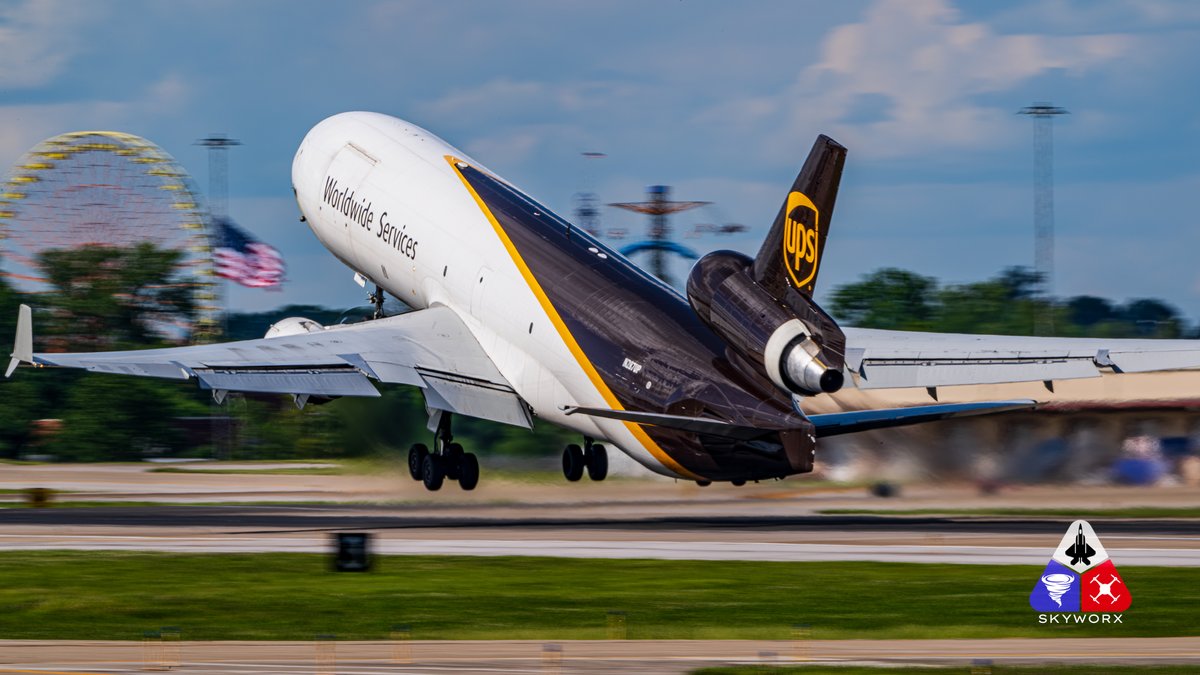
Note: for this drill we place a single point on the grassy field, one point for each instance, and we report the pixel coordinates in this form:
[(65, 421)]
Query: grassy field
[(1041, 669), (119, 595), (1071, 513)]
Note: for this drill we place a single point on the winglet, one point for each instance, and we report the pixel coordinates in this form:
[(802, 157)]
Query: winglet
[(23, 343)]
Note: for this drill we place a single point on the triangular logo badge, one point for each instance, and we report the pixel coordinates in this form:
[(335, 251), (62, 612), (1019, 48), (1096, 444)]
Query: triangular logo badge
[(1080, 577)]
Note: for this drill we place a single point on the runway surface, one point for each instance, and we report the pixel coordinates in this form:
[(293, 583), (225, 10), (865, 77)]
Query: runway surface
[(414, 531), (615, 519), (634, 656)]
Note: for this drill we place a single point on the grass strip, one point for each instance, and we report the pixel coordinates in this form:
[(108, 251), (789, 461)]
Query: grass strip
[(286, 596), (1072, 513), (1039, 669)]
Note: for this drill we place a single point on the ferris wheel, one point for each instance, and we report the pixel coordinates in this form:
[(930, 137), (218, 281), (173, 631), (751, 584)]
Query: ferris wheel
[(111, 189)]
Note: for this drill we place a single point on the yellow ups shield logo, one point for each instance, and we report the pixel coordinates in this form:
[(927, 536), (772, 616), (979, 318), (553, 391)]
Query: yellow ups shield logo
[(801, 228)]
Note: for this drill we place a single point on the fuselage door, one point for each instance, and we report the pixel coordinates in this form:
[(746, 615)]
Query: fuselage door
[(350, 205), (479, 290)]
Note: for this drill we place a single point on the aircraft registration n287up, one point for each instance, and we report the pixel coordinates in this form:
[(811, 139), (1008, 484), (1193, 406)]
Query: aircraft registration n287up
[(518, 314)]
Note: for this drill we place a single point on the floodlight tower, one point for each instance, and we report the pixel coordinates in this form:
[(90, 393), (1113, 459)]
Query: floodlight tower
[(658, 206), (587, 213), (1043, 115), (218, 198), (218, 207), (218, 172)]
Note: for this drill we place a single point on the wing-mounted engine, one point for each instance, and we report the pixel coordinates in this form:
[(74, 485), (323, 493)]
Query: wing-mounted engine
[(293, 325), (763, 307), (299, 325), (796, 344)]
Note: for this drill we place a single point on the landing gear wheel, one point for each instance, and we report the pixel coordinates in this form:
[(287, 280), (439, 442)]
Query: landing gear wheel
[(573, 464), (468, 471), (739, 482), (433, 472), (596, 459), (452, 460), (416, 457)]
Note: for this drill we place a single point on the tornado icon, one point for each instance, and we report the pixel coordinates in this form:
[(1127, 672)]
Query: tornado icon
[(1057, 585)]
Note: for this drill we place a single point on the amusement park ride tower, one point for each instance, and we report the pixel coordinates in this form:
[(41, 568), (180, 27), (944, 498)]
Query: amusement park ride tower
[(658, 206)]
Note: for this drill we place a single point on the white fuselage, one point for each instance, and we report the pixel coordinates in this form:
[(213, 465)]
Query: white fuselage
[(384, 197)]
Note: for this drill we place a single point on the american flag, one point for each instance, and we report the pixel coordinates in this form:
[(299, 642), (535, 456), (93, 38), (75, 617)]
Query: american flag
[(242, 258)]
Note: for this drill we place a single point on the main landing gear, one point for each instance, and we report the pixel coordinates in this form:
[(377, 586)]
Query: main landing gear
[(377, 299), (592, 457), (447, 461)]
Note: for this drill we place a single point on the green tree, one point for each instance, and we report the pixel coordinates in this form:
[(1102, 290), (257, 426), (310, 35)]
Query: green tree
[(115, 418), (1006, 304), (19, 396), (887, 298), (1088, 310), (106, 296), (1021, 282), (1153, 318)]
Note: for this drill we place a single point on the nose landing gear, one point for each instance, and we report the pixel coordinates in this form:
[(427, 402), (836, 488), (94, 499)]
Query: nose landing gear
[(592, 458), (449, 460)]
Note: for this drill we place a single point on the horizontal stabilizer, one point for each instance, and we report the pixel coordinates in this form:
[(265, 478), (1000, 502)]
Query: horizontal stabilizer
[(699, 425), (833, 424)]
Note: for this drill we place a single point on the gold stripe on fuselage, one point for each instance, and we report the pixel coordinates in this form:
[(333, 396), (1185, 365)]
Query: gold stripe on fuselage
[(639, 433)]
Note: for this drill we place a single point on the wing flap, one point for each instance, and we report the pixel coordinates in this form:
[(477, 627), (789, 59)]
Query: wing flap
[(168, 371), (332, 381), (485, 400), (1144, 362), (881, 359), (897, 373)]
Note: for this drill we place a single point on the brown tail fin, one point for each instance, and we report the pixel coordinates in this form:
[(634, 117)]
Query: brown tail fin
[(791, 254)]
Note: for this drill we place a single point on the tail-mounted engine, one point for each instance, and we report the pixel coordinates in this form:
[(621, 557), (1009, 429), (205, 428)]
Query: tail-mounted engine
[(763, 307), (798, 346)]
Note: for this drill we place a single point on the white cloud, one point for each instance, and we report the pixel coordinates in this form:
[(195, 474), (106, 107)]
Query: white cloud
[(922, 68), (36, 40), (505, 96), (170, 93), (23, 126), (505, 149)]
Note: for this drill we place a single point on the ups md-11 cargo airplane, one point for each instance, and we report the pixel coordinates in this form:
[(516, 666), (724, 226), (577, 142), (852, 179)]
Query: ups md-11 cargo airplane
[(520, 314)]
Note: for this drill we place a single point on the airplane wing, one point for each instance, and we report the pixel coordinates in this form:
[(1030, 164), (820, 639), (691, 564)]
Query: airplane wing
[(430, 348), (881, 359)]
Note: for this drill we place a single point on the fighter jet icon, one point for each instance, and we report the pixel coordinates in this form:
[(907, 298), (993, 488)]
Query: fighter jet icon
[(1080, 550), (1078, 562)]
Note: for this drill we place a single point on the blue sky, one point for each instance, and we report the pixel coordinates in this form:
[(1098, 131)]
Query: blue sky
[(719, 99)]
